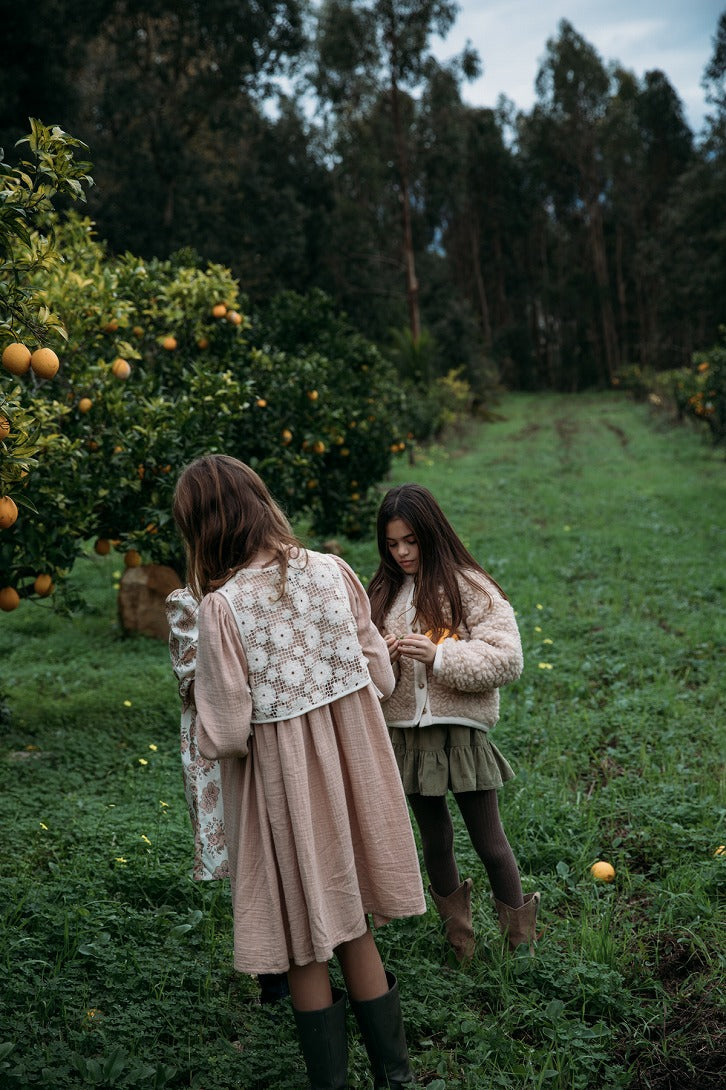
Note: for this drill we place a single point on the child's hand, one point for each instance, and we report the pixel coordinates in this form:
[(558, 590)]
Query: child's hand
[(392, 643), (417, 646)]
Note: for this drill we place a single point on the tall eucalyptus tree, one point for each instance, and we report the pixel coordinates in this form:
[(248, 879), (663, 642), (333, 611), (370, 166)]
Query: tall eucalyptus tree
[(371, 54)]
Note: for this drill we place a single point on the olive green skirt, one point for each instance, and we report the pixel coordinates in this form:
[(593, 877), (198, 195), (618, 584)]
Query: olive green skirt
[(447, 757)]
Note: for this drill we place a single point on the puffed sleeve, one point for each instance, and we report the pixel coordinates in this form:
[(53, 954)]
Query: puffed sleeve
[(181, 614), (222, 693), (489, 655), (372, 643)]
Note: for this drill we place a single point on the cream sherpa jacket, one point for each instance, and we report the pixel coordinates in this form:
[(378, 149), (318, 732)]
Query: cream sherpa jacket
[(462, 685)]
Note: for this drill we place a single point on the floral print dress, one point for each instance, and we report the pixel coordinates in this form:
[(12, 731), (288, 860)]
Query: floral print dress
[(202, 779)]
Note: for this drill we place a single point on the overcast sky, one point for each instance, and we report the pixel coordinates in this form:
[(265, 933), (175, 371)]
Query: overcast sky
[(675, 36)]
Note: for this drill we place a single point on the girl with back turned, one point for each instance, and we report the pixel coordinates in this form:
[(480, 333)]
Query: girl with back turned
[(288, 678)]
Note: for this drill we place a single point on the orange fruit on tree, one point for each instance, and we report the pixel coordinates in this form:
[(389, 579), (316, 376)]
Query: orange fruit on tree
[(261, 402), (44, 362), (202, 343), (219, 310), (16, 358), (169, 343), (121, 368), (111, 326), (43, 585), (313, 395), (234, 317), (137, 331), (286, 436), (4, 427), (84, 404), (318, 447), (132, 559), (9, 599), (8, 512), (103, 546)]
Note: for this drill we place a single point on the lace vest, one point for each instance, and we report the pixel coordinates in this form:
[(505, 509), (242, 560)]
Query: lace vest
[(302, 649)]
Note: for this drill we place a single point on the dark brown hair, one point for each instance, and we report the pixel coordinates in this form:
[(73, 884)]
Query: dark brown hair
[(226, 515), (442, 557)]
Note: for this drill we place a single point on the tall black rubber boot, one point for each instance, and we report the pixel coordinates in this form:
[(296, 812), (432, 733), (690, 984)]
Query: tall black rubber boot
[(381, 1025), (324, 1044)]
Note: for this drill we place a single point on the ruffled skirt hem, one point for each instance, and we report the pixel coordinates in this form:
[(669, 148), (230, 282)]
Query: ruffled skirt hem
[(441, 758)]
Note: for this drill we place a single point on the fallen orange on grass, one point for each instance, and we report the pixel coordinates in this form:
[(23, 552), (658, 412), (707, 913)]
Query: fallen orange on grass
[(603, 871)]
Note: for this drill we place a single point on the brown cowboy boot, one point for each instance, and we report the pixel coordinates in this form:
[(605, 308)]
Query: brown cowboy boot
[(519, 924), (455, 911)]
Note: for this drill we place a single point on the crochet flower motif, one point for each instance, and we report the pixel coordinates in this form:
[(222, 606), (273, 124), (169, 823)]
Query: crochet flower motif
[(281, 635)]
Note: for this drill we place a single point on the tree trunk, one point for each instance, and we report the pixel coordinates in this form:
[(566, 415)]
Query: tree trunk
[(622, 294), (412, 290), (481, 293), (600, 269)]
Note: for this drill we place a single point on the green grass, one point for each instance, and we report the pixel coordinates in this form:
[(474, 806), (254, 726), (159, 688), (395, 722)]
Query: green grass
[(606, 527)]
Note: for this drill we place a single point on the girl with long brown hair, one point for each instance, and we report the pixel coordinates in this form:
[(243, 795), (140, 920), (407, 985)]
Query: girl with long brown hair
[(453, 641), (289, 674)]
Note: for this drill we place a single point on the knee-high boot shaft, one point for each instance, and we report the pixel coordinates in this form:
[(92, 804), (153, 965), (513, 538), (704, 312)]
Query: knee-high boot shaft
[(324, 1044), (381, 1025)]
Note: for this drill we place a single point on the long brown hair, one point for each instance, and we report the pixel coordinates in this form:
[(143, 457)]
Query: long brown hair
[(442, 557), (226, 515)]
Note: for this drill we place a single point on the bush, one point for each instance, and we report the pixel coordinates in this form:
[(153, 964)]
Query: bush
[(699, 391)]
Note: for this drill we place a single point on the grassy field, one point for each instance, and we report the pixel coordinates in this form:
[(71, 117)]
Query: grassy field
[(605, 525)]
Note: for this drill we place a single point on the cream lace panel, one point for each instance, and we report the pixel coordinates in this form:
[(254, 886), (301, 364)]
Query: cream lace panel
[(302, 649)]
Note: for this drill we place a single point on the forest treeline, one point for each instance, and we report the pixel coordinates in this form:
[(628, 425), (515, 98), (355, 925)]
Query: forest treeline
[(324, 146)]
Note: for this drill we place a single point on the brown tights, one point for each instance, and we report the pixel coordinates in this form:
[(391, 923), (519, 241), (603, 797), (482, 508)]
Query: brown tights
[(480, 812)]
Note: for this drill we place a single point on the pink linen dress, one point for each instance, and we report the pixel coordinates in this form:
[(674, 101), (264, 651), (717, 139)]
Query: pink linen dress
[(318, 831)]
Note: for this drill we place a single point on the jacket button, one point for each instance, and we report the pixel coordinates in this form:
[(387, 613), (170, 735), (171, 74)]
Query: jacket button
[(421, 685)]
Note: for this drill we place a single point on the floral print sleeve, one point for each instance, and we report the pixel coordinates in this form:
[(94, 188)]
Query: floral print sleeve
[(202, 781)]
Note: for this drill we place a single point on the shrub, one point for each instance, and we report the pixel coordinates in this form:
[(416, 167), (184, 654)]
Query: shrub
[(699, 391)]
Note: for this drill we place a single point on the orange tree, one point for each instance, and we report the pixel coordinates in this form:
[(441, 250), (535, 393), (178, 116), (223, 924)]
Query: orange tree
[(29, 435), (163, 364), (700, 390)]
